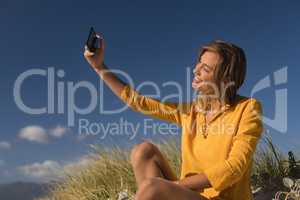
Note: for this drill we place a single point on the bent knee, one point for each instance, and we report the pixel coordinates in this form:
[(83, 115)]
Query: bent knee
[(142, 151)]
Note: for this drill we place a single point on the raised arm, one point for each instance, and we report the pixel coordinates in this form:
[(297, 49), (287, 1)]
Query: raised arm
[(96, 61), (168, 111)]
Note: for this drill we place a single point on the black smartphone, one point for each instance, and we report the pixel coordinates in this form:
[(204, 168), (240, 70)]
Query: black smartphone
[(91, 42)]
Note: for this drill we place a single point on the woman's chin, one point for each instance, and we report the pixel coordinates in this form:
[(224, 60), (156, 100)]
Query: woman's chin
[(195, 85), (202, 91), (197, 89)]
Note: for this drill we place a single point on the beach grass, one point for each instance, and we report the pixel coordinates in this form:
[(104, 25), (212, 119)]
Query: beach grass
[(110, 172)]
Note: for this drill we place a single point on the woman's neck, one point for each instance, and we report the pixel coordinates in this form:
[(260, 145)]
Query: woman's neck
[(208, 104)]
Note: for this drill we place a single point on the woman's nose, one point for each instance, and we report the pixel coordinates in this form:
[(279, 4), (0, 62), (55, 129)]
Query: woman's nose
[(197, 67), (196, 70)]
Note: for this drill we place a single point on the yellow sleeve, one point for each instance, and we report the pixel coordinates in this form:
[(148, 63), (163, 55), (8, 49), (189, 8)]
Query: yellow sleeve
[(228, 172), (162, 110)]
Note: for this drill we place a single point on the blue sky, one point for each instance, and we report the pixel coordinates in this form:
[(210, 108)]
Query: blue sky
[(150, 40)]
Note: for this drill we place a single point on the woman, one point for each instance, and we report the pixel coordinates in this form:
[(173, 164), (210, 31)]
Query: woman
[(220, 130)]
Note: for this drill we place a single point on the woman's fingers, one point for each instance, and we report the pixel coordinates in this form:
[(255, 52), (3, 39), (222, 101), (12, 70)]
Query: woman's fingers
[(87, 53), (100, 49), (101, 41), (95, 59)]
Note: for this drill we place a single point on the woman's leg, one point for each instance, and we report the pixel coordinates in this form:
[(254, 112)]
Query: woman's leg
[(147, 162), (158, 188)]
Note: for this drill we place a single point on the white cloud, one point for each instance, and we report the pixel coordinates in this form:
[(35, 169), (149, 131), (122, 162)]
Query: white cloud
[(5, 145), (53, 170), (78, 164), (58, 131), (39, 134), (45, 171), (34, 134)]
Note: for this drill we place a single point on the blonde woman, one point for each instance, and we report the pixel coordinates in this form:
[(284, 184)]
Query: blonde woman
[(220, 130)]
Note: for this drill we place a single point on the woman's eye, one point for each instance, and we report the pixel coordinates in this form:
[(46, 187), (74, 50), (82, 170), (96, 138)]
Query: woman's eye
[(206, 69)]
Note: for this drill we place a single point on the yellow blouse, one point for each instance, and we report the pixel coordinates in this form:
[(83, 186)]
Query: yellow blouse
[(226, 155)]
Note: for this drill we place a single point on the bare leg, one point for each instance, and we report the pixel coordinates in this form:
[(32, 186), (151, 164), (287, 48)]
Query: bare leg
[(158, 188), (147, 162)]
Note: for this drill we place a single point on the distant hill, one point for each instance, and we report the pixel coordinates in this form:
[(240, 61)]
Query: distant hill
[(23, 190)]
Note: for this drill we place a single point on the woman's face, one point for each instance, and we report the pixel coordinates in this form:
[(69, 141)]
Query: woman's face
[(204, 73)]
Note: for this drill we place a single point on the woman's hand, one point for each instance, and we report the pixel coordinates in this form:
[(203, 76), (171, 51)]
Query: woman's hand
[(95, 59)]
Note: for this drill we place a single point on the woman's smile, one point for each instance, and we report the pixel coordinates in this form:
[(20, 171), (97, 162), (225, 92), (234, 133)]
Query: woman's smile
[(196, 82)]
